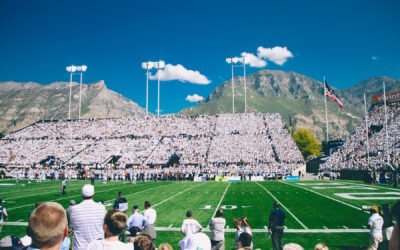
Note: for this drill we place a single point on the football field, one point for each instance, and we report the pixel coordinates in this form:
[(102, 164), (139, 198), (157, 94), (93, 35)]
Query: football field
[(323, 211)]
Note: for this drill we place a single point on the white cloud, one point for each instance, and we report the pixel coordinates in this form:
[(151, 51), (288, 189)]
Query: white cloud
[(180, 73), (276, 54), (375, 58), (194, 98), (253, 60)]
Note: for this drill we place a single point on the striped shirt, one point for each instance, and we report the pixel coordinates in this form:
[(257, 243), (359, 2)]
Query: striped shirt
[(87, 220)]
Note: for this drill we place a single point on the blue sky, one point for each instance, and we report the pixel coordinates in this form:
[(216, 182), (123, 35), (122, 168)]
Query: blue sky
[(348, 41)]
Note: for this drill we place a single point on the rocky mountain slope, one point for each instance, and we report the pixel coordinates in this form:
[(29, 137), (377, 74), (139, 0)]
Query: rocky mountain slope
[(297, 97), (24, 103)]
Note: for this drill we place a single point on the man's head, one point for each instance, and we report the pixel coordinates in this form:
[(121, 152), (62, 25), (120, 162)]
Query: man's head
[(47, 225), (87, 191), (72, 203), (292, 246), (244, 240), (147, 204), (120, 194), (143, 242), (114, 222), (135, 209), (37, 204), (276, 204), (219, 213), (189, 214)]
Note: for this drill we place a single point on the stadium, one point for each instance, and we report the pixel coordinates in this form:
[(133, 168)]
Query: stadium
[(221, 146)]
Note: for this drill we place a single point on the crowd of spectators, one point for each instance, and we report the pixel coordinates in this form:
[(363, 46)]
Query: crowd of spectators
[(353, 154), (257, 142)]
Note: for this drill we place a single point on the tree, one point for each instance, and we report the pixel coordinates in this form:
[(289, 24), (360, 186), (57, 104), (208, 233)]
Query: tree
[(307, 143)]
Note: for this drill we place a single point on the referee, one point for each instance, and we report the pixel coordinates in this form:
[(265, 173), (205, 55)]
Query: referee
[(63, 187)]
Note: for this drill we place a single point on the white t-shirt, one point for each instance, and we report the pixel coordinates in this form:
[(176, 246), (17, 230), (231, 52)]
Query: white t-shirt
[(198, 241), (150, 215), (109, 245), (217, 227), (376, 223), (190, 226)]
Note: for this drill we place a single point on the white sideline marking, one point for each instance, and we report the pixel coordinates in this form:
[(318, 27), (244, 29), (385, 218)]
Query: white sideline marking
[(312, 191), (320, 184), (232, 230), (363, 196), (219, 204), (79, 195), (7, 184), (161, 202), (266, 190), (345, 187), (369, 185)]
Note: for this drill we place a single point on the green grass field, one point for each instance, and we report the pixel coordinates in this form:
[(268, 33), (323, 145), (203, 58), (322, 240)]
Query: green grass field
[(316, 212)]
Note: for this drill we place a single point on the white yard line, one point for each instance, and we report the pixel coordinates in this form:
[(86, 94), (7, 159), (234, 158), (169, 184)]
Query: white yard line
[(266, 190), (312, 191), (69, 197), (161, 202), (219, 203), (369, 185), (232, 230)]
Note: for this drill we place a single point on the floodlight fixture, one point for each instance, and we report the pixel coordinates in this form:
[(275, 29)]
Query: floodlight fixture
[(71, 68)]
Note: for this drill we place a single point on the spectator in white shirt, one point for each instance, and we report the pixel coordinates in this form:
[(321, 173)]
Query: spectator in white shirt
[(87, 219), (150, 217), (114, 225), (375, 223), (190, 226), (217, 227)]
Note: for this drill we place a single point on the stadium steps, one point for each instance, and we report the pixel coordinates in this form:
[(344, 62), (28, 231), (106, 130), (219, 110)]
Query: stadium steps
[(75, 155), (144, 163)]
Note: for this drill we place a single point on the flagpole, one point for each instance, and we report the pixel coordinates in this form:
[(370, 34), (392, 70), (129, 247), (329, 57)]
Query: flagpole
[(386, 132), (326, 114), (366, 126), (233, 92)]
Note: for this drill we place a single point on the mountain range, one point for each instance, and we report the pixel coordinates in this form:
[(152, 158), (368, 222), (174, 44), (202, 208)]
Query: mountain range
[(298, 98), (25, 103)]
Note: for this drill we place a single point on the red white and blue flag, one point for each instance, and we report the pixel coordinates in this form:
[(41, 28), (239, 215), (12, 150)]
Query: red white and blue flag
[(329, 93)]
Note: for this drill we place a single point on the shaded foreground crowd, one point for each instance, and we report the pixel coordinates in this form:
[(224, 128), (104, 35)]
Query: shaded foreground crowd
[(90, 226), (250, 140)]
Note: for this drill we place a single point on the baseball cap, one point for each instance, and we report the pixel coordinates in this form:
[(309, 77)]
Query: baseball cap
[(87, 190), (135, 207)]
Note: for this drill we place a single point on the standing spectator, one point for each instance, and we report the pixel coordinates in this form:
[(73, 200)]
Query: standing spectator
[(68, 211), (48, 227), (150, 217), (63, 187), (3, 214), (276, 226), (87, 219), (245, 241), (114, 225), (375, 223), (387, 228), (135, 222), (394, 242), (237, 223), (246, 228), (121, 203), (217, 227), (190, 225)]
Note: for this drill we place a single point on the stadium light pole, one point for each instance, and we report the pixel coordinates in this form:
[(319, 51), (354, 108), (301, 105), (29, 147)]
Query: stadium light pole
[(147, 66), (159, 65), (245, 85), (82, 69), (71, 69)]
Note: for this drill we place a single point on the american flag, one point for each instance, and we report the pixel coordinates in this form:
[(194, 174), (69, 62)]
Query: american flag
[(329, 93)]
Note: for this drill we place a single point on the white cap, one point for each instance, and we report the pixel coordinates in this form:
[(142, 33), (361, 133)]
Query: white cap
[(87, 190), (196, 241)]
